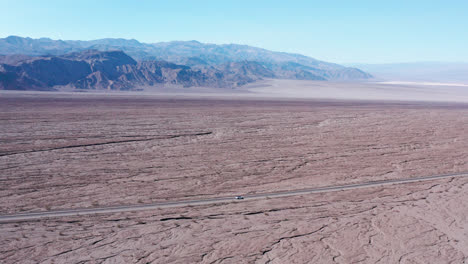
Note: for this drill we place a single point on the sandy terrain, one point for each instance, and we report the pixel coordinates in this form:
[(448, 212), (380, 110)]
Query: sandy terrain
[(64, 153), (90, 151), (278, 89)]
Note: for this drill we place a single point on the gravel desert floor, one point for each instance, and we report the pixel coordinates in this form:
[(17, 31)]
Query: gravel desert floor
[(83, 152)]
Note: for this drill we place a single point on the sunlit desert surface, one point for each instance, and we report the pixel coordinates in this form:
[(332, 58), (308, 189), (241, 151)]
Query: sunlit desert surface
[(58, 152), (389, 90)]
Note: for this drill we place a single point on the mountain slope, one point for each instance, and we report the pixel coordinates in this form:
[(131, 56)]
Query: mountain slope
[(115, 70), (192, 53)]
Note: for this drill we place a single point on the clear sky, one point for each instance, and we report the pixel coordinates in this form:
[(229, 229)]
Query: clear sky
[(377, 31)]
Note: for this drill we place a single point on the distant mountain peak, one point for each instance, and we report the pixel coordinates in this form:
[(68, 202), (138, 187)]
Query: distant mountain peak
[(93, 54)]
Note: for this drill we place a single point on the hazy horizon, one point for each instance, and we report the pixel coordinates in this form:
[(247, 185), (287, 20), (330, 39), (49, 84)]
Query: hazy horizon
[(342, 32)]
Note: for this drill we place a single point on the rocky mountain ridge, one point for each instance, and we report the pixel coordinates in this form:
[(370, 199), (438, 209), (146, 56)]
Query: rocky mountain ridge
[(208, 60), (115, 70)]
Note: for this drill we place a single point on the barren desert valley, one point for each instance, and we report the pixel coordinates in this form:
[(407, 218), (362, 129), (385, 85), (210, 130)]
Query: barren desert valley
[(99, 151), (234, 132)]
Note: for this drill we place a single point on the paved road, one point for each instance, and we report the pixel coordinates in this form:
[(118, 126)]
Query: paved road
[(141, 207)]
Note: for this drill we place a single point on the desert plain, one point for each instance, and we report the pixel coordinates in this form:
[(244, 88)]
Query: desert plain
[(64, 152)]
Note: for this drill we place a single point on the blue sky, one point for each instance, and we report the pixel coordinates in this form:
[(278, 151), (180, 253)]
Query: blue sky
[(338, 31)]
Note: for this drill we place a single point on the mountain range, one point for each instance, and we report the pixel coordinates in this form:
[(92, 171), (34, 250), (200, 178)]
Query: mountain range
[(121, 64)]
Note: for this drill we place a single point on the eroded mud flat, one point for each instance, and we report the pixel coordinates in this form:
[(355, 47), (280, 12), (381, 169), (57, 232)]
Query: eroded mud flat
[(408, 223), (93, 151)]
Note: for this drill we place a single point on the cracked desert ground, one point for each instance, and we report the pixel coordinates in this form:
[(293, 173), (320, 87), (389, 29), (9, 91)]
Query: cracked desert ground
[(93, 151)]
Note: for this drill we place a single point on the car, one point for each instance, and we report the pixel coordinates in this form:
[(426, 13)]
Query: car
[(239, 197)]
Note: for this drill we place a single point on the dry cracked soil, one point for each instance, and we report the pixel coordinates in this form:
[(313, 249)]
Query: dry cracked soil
[(60, 153)]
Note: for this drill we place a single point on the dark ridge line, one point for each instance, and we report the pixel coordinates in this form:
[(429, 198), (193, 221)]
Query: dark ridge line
[(175, 218), (107, 143)]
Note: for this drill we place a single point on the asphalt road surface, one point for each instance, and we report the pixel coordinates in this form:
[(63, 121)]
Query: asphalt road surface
[(225, 199)]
